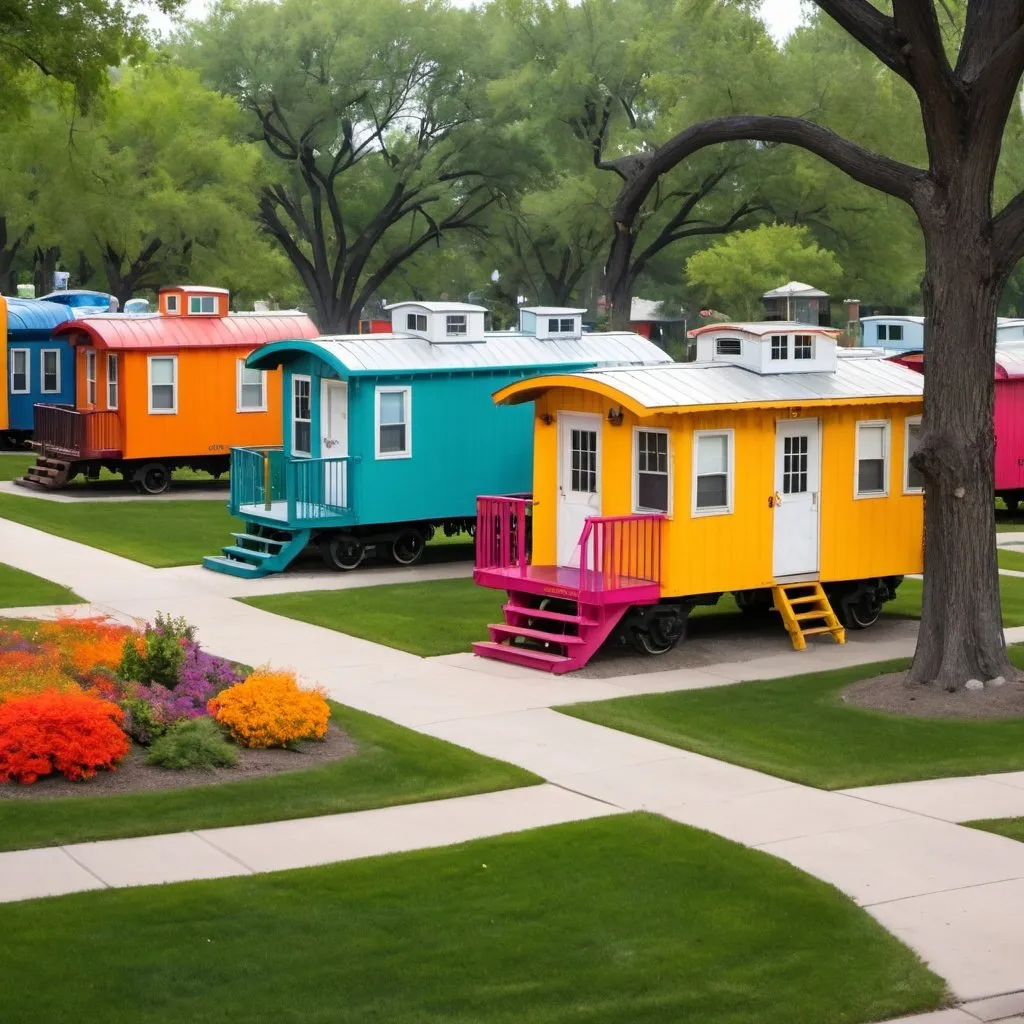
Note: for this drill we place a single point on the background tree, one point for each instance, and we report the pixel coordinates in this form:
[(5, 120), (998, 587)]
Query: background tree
[(374, 117), (966, 85), (734, 273)]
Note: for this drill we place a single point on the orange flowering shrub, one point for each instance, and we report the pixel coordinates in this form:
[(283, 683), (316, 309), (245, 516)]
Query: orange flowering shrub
[(270, 709), (25, 671), (74, 734), (87, 645)]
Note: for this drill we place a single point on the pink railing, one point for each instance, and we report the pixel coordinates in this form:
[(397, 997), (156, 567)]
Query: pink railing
[(502, 532), (615, 550)]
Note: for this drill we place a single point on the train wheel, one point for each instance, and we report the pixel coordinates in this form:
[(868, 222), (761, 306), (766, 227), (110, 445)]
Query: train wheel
[(862, 614), (153, 478), (343, 552), (663, 632), (407, 547)]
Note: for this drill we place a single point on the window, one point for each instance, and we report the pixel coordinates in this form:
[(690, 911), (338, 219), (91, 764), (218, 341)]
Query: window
[(202, 304), (913, 479), (90, 376), (302, 415), (712, 472), (455, 324), (562, 325), (780, 346), (393, 414), (872, 459), (652, 476), (416, 322), (794, 464), (583, 475), (728, 347), (19, 371), (251, 393), (49, 370), (111, 381), (890, 332), (172, 303), (163, 384), (803, 346)]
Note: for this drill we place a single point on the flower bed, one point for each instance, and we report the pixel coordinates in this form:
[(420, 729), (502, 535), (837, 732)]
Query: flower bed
[(76, 693)]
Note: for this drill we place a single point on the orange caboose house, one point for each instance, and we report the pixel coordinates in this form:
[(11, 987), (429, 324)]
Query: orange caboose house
[(159, 391)]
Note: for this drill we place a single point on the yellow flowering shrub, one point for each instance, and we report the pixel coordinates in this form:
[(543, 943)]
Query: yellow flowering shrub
[(270, 709)]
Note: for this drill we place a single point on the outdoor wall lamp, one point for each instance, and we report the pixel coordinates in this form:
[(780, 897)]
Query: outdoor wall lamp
[(547, 419), (615, 416)]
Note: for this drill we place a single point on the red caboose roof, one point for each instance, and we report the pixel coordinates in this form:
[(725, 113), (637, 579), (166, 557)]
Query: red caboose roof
[(153, 332), (1009, 362)]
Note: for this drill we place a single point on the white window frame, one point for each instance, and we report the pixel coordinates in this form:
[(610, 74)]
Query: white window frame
[(809, 339), (405, 390), (886, 459), (43, 389), (460, 321), (419, 322), (638, 509), (26, 353), (783, 348), (193, 300), (882, 332), (262, 407), (730, 473), (899, 332), (90, 376), (174, 386), (910, 421), (115, 380), (172, 303), (296, 377), (718, 346)]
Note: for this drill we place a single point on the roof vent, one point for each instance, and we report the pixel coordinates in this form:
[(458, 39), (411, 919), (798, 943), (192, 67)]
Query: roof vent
[(440, 323), (555, 322), (194, 300)]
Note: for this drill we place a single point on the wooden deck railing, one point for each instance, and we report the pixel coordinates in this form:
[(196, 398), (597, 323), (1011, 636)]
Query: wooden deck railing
[(616, 549), (83, 434), (503, 532)]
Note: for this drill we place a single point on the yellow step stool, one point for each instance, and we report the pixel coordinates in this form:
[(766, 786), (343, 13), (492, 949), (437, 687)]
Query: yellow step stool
[(800, 604)]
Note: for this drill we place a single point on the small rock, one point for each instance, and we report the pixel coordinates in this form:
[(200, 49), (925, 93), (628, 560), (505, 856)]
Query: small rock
[(974, 684), (998, 681)]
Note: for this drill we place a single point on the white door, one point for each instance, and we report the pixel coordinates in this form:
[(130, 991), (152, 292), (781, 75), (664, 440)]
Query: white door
[(579, 480), (334, 443), (795, 502)]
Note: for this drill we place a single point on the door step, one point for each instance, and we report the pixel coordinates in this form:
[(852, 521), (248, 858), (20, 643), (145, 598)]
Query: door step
[(47, 473), (525, 656), (255, 554), (812, 597)]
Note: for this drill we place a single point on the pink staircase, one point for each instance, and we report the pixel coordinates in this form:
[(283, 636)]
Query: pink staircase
[(557, 617)]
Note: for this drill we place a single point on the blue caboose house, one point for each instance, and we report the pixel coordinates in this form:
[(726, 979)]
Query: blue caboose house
[(39, 368), (390, 437)]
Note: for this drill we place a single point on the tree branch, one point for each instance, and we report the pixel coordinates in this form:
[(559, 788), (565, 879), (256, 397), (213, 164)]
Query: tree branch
[(871, 28)]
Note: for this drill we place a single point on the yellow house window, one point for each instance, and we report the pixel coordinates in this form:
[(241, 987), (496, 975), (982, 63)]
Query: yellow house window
[(872, 459), (651, 487), (712, 472), (913, 479)]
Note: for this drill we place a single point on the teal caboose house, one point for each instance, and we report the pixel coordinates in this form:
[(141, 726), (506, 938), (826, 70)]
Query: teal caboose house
[(390, 437)]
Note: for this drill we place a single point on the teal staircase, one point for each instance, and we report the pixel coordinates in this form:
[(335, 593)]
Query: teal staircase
[(260, 551)]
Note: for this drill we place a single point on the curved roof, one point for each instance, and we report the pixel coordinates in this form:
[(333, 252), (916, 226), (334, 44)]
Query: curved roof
[(35, 316), (795, 289), (357, 355), (1009, 361), (79, 298), (683, 386), (154, 332), (899, 317), (765, 327), (440, 307)]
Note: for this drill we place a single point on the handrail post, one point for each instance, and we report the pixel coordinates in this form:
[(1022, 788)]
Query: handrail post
[(268, 498)]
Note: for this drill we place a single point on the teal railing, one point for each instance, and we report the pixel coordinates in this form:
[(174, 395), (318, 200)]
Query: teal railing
[(258, 477), (319, 488)]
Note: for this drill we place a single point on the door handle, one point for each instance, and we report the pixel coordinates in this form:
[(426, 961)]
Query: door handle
[(774, 500), (814, 499)]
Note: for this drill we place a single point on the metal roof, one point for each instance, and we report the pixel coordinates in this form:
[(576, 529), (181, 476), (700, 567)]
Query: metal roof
[(35, 316), (692, 385), (550, 310), (765, 327), (795, 289), (883, 316), (80, 297), (441, 307), (192, 289), (1010, 362), (375, 354), (154, 332)]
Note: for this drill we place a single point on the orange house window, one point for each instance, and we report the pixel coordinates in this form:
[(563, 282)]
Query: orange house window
[(90, 377)]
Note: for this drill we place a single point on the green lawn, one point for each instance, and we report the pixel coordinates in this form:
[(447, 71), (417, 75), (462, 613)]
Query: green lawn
[(439, 617), (159, 533), (626, 920), (908, 600), (798, 729), (1012, 828), (16, 465), (1011, 560), (13, 466), (19, 589), (393, 766)]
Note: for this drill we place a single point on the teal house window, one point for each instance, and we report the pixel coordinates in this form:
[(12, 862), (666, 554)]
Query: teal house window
[(393, 434)]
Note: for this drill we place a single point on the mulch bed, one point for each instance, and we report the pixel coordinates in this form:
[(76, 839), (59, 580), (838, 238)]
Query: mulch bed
[(135, 776), (892, 693)]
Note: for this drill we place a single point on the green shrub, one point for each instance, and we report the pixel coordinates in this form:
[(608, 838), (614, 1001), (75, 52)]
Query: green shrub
[(164, 656), (140, 721), (198, 743)]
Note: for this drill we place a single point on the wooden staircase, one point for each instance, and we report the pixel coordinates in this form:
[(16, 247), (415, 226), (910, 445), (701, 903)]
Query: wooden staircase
[(805, 612), (49, 473), (259, 551)]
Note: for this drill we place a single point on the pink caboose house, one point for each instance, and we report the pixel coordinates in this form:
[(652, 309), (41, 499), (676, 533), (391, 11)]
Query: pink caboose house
[(1009, 419)]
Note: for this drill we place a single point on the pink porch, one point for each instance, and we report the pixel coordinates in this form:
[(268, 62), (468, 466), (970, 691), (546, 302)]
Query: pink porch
[(558, 616)]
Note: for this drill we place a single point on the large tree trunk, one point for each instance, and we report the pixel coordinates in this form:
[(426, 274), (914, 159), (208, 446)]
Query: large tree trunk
[(961, 633), (618, 281)]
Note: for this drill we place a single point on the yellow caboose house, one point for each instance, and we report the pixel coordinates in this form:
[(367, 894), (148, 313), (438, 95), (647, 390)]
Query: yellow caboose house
[(775, 467)]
